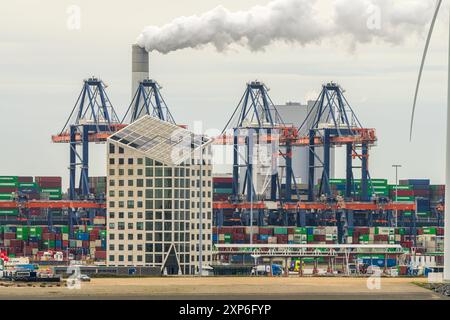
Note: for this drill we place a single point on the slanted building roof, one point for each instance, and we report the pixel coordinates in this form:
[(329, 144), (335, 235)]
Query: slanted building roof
[(159, 140)]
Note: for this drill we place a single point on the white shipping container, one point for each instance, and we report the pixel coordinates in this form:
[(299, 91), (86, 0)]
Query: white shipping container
[(248, 230)]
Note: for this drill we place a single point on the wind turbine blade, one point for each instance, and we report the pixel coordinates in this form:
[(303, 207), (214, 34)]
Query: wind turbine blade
[(430, 33)]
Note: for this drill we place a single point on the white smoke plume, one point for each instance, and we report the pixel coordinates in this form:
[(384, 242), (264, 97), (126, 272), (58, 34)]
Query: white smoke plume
[(292, 21)]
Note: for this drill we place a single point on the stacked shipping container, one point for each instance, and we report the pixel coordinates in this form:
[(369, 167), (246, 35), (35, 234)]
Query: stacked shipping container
[(33, 241), (429, 240)]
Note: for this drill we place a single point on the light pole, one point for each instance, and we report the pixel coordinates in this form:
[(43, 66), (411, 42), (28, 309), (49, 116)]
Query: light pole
[(396, 166)]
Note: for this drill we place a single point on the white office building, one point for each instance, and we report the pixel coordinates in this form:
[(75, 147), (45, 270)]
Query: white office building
[(156, 185)]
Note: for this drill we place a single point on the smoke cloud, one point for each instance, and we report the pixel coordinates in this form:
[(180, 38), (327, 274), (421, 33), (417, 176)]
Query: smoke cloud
[(292, 21)]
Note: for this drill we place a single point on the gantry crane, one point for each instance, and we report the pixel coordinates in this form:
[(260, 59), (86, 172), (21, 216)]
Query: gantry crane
[(148, 101), (330, 123), (92, 120)]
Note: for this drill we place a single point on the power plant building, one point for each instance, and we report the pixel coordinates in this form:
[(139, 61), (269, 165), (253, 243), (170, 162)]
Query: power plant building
[(295, 113)]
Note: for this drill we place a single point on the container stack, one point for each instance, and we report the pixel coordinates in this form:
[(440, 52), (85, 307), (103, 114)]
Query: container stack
[(50, 187), (32, 241), (377, 187), (437, 193), (97, 185), (222, 188), (429, 240), (420, 188), (8, 186), (275, 235)]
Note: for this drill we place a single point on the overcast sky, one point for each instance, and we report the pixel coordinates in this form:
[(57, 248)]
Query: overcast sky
[(43, 63)]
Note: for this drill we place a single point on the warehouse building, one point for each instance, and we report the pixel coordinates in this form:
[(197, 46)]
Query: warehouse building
[(156, 183)]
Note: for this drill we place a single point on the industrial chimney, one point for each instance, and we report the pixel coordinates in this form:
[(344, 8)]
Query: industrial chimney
[(139, 67)]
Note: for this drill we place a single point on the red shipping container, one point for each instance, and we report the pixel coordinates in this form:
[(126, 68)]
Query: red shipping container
[(364, 230), (25, 179), (222, 180), (50, 185), (48, 236), (8, 190), (85, 244), (9, 235), (319, 238), (65, 243), (48, 179), (422, 193), (100, 255), (381, 237), (58, 236), (402, 193)]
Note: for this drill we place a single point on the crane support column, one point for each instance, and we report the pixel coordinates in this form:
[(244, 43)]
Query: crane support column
[(289, 173), (326, 164), (250, 182), (364, 172), (312, 168), (235, 165), (348, 172), (72, 166), (84, 181)]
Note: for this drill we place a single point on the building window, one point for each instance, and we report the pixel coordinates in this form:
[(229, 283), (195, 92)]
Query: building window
[(130, 161), (148, 162), (121, 150), (112, 148), (111, 160), (121, 161)]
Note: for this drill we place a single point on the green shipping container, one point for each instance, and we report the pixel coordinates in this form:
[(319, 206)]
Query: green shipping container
[(394, 187), (27, 185), (300, 230), (405, 199), (364, 237), (8, 184), (6, 197), (9, 212), (280, 231), (429, 230), (9, 178), (223, 190)]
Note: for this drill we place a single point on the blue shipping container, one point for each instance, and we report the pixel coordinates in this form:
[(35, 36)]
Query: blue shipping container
[(380, 262)]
